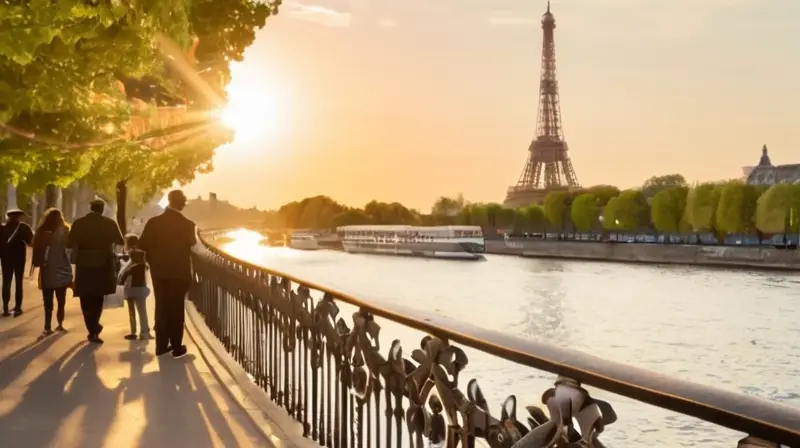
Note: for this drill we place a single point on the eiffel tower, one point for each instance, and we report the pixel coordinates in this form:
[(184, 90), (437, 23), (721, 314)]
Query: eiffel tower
[(548, 167)]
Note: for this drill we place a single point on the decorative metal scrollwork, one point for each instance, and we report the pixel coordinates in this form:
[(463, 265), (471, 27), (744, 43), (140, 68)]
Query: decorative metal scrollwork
[(331, 375)]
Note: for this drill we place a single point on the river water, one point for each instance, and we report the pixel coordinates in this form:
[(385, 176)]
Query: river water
[(736, 330)]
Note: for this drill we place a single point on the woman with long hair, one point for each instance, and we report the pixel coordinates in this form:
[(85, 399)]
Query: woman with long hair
[(55, 270)]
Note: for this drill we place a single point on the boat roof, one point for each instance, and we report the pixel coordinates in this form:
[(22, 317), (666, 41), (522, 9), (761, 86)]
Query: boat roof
[(400, 228)]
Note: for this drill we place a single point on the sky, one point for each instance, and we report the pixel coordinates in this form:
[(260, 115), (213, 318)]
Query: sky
[(411, 100)]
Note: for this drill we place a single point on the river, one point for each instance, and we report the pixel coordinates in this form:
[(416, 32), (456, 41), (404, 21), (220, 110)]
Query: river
[(733, 329)]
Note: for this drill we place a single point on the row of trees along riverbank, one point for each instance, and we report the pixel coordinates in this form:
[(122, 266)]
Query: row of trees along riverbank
[(663, 204)]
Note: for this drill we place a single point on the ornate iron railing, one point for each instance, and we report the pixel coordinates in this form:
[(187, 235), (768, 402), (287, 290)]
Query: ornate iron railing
[(331, 376)]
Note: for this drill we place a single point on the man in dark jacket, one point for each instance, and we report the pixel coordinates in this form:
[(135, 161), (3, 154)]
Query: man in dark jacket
[(15, 236), (167, 240), (92, 239)]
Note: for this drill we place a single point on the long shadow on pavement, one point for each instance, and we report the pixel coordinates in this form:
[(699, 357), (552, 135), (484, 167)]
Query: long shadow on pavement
[(69, 387), (13, 365), (179, 409)]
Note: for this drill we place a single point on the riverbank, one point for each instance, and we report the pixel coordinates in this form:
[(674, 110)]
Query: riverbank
[(719, 256)]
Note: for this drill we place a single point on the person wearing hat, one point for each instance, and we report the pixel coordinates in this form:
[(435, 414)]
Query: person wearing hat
[(15, 236), (92, 239)]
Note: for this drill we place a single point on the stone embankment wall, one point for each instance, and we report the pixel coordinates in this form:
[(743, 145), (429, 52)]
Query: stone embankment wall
[(742, 257)]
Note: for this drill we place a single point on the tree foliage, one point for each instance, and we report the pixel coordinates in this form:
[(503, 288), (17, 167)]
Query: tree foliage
[(447, 206), (584, 212), (628, 211), (351, 217), (224, 29), (389, 213), (667, 209), (778, 209), (603, 193), (536, 217), (555, 208), (701, 206), (655, 184), (737, 208), (62, 66)]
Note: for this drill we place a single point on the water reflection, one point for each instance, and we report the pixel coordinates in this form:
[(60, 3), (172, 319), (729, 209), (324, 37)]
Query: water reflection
[(542, 314), (244, 244)]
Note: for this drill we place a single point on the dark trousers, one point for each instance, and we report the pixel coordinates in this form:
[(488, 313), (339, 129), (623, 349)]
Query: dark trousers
[(170, 295), (92, 307), (61, 297), (13, 267)]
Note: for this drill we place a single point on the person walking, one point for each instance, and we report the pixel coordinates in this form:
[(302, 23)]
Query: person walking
[(167, 240), (15, 236), (92, 239), (55, 270), (133, 277)]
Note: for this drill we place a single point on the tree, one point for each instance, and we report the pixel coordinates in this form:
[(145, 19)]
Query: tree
[(610, 211), (318, 212), (778, 209), (225, 28), (668, 208), (658, 183), (448, 207), (555, 208), (536, 217), (529, 219), (473, 214), (59, 92), (584, 212), (628, 211), (389, 213), (737, 208), (701, 208), (351, 217), (492, 213), (63, 68), (603, 193), (505, 217)]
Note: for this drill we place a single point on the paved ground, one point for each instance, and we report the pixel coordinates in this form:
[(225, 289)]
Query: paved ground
[(61, 391)]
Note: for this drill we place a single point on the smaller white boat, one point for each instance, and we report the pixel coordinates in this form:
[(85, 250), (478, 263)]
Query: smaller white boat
[(303, 241)]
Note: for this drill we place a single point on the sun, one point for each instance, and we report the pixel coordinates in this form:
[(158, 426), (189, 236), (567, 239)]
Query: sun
[(252, 109)]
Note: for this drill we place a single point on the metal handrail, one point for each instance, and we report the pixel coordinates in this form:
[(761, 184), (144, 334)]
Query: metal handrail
[(755, 416)]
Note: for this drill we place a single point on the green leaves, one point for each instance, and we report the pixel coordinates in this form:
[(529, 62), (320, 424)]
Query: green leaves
[(61, 107), (584, 212), (701, 206), (774, 208), (555, 208), (628, 211), (667, 209)]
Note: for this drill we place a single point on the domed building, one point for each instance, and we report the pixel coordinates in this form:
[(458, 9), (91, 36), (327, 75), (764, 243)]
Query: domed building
[(765, 173)]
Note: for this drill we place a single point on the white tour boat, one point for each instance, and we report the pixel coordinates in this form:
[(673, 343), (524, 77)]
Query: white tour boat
[(465, 242), (303, 241)]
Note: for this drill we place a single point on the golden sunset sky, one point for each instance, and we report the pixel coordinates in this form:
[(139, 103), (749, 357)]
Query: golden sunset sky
[(410, 100)]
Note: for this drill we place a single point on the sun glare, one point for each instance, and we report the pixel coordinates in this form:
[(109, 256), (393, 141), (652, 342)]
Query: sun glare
[(252, 109)]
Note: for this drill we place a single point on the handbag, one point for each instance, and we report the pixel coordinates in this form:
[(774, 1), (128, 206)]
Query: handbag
[(116, 300)]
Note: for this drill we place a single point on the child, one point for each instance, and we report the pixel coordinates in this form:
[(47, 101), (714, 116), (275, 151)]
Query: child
[(134, 279)]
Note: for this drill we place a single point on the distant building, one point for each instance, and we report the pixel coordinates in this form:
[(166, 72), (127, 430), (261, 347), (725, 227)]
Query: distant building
[(765, 173)]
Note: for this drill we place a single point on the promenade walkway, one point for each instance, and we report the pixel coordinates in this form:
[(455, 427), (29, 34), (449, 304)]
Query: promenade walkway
[(61, 391)]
